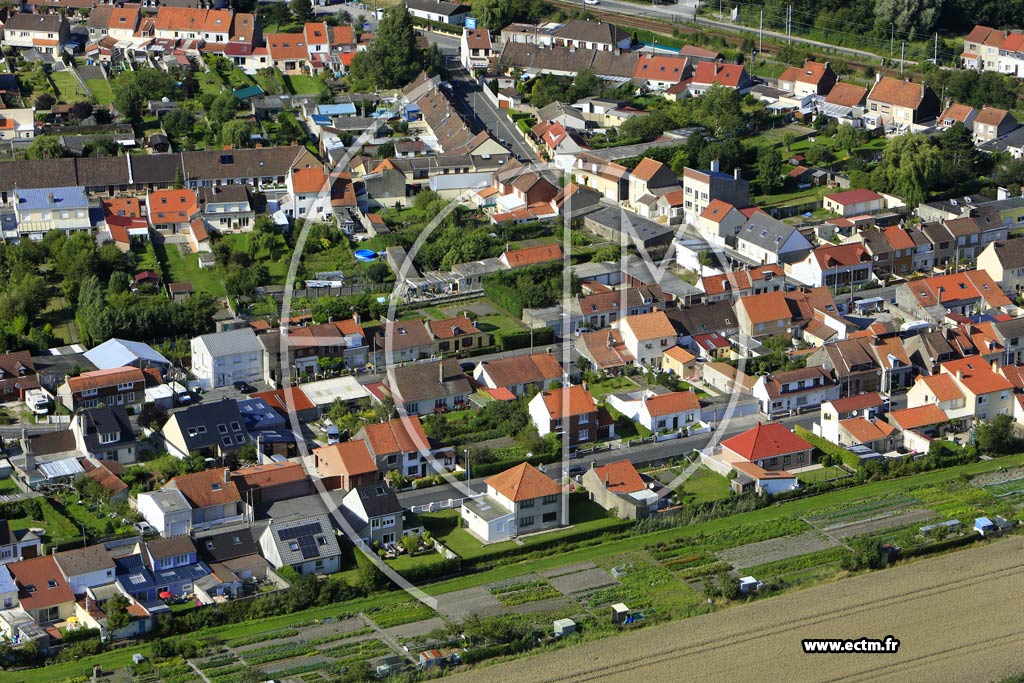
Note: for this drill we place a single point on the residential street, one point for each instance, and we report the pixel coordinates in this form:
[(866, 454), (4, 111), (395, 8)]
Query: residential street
[(638, 455)]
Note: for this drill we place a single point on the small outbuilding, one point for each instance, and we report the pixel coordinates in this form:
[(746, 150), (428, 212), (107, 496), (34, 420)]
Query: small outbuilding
[(564, 627), (620, 613)]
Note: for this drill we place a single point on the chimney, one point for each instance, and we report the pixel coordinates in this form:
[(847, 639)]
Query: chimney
[(714, 166), (878, 77), (50, 197), (227, 475), (440, 372), (736, 174), (959, 374), (356, 318)]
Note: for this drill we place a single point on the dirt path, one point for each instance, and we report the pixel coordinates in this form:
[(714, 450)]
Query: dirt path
[(918, 603)]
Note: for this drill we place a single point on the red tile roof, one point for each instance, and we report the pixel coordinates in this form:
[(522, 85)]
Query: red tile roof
[(206, 488), (727, 75), (864, 430), (620, 477), (270, 474), (452, 327), (347, 458), (670, 68), (766, 307), (976, 375), (849, 197), (897, 92), (812, 72), (580, 402), (651, 325), (921, 416), (309, 180), (287, 399), (858, 402), (532, 255), (766, 441), (99, 379), (523, 482), (942, 387), (846, 95), (675, 402), (991, 116), (34, 579), (401, 435), (647, 169)]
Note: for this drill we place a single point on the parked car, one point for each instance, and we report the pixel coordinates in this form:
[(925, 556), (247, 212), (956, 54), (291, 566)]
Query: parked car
[(244, 387), (144, 528), (333, 435), (576, 471)]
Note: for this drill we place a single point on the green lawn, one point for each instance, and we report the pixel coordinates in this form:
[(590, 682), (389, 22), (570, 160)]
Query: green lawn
[(811, 194), (598, 552), (705, 485), (275, 258), (584, 515), (7, 486), (611, 385), (210, 83), (67, 87), (823, 474), (185, 268), (100, 89), (305, 85), (497, 325)]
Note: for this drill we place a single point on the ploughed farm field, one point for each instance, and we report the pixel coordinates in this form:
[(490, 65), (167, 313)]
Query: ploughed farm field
[(956, 616)]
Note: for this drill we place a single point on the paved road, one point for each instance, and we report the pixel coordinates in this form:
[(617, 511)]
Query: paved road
[(955, 616), (638, 455)]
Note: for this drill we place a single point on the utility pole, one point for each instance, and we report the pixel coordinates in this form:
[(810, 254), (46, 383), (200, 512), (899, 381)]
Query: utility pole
[(760, 33), (935, 59), (892, 40), (789, 23), (903, 48)]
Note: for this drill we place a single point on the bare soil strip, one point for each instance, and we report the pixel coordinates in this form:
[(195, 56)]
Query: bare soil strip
[(957, 617)]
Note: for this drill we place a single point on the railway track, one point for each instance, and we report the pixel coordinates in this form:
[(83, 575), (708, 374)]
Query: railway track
[(676, 30)]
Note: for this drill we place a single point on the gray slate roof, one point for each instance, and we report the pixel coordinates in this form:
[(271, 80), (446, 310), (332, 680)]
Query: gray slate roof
[(303, 540), (241, 340)]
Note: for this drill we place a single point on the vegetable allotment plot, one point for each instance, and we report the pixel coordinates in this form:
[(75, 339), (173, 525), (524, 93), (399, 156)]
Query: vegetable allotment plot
[(775, 549)]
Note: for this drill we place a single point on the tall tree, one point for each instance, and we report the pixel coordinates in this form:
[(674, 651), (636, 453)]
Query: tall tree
[(394, 56), (302, 9), (910, 17), (769, 169), (45, 147), (909, 167)]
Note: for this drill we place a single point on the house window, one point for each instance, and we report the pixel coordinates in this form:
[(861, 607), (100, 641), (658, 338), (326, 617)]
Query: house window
[(374, 523), (548, 500), (526, 521), (549, 517), (528, 503), (222, 428)]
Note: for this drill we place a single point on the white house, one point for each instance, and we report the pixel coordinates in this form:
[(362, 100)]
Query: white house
[(794, 390), (670, 412), (223, 358), (86, 567), (440, 11), (306, 186), (166, 510), (475, 49), (518, 501), (647, 336)]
